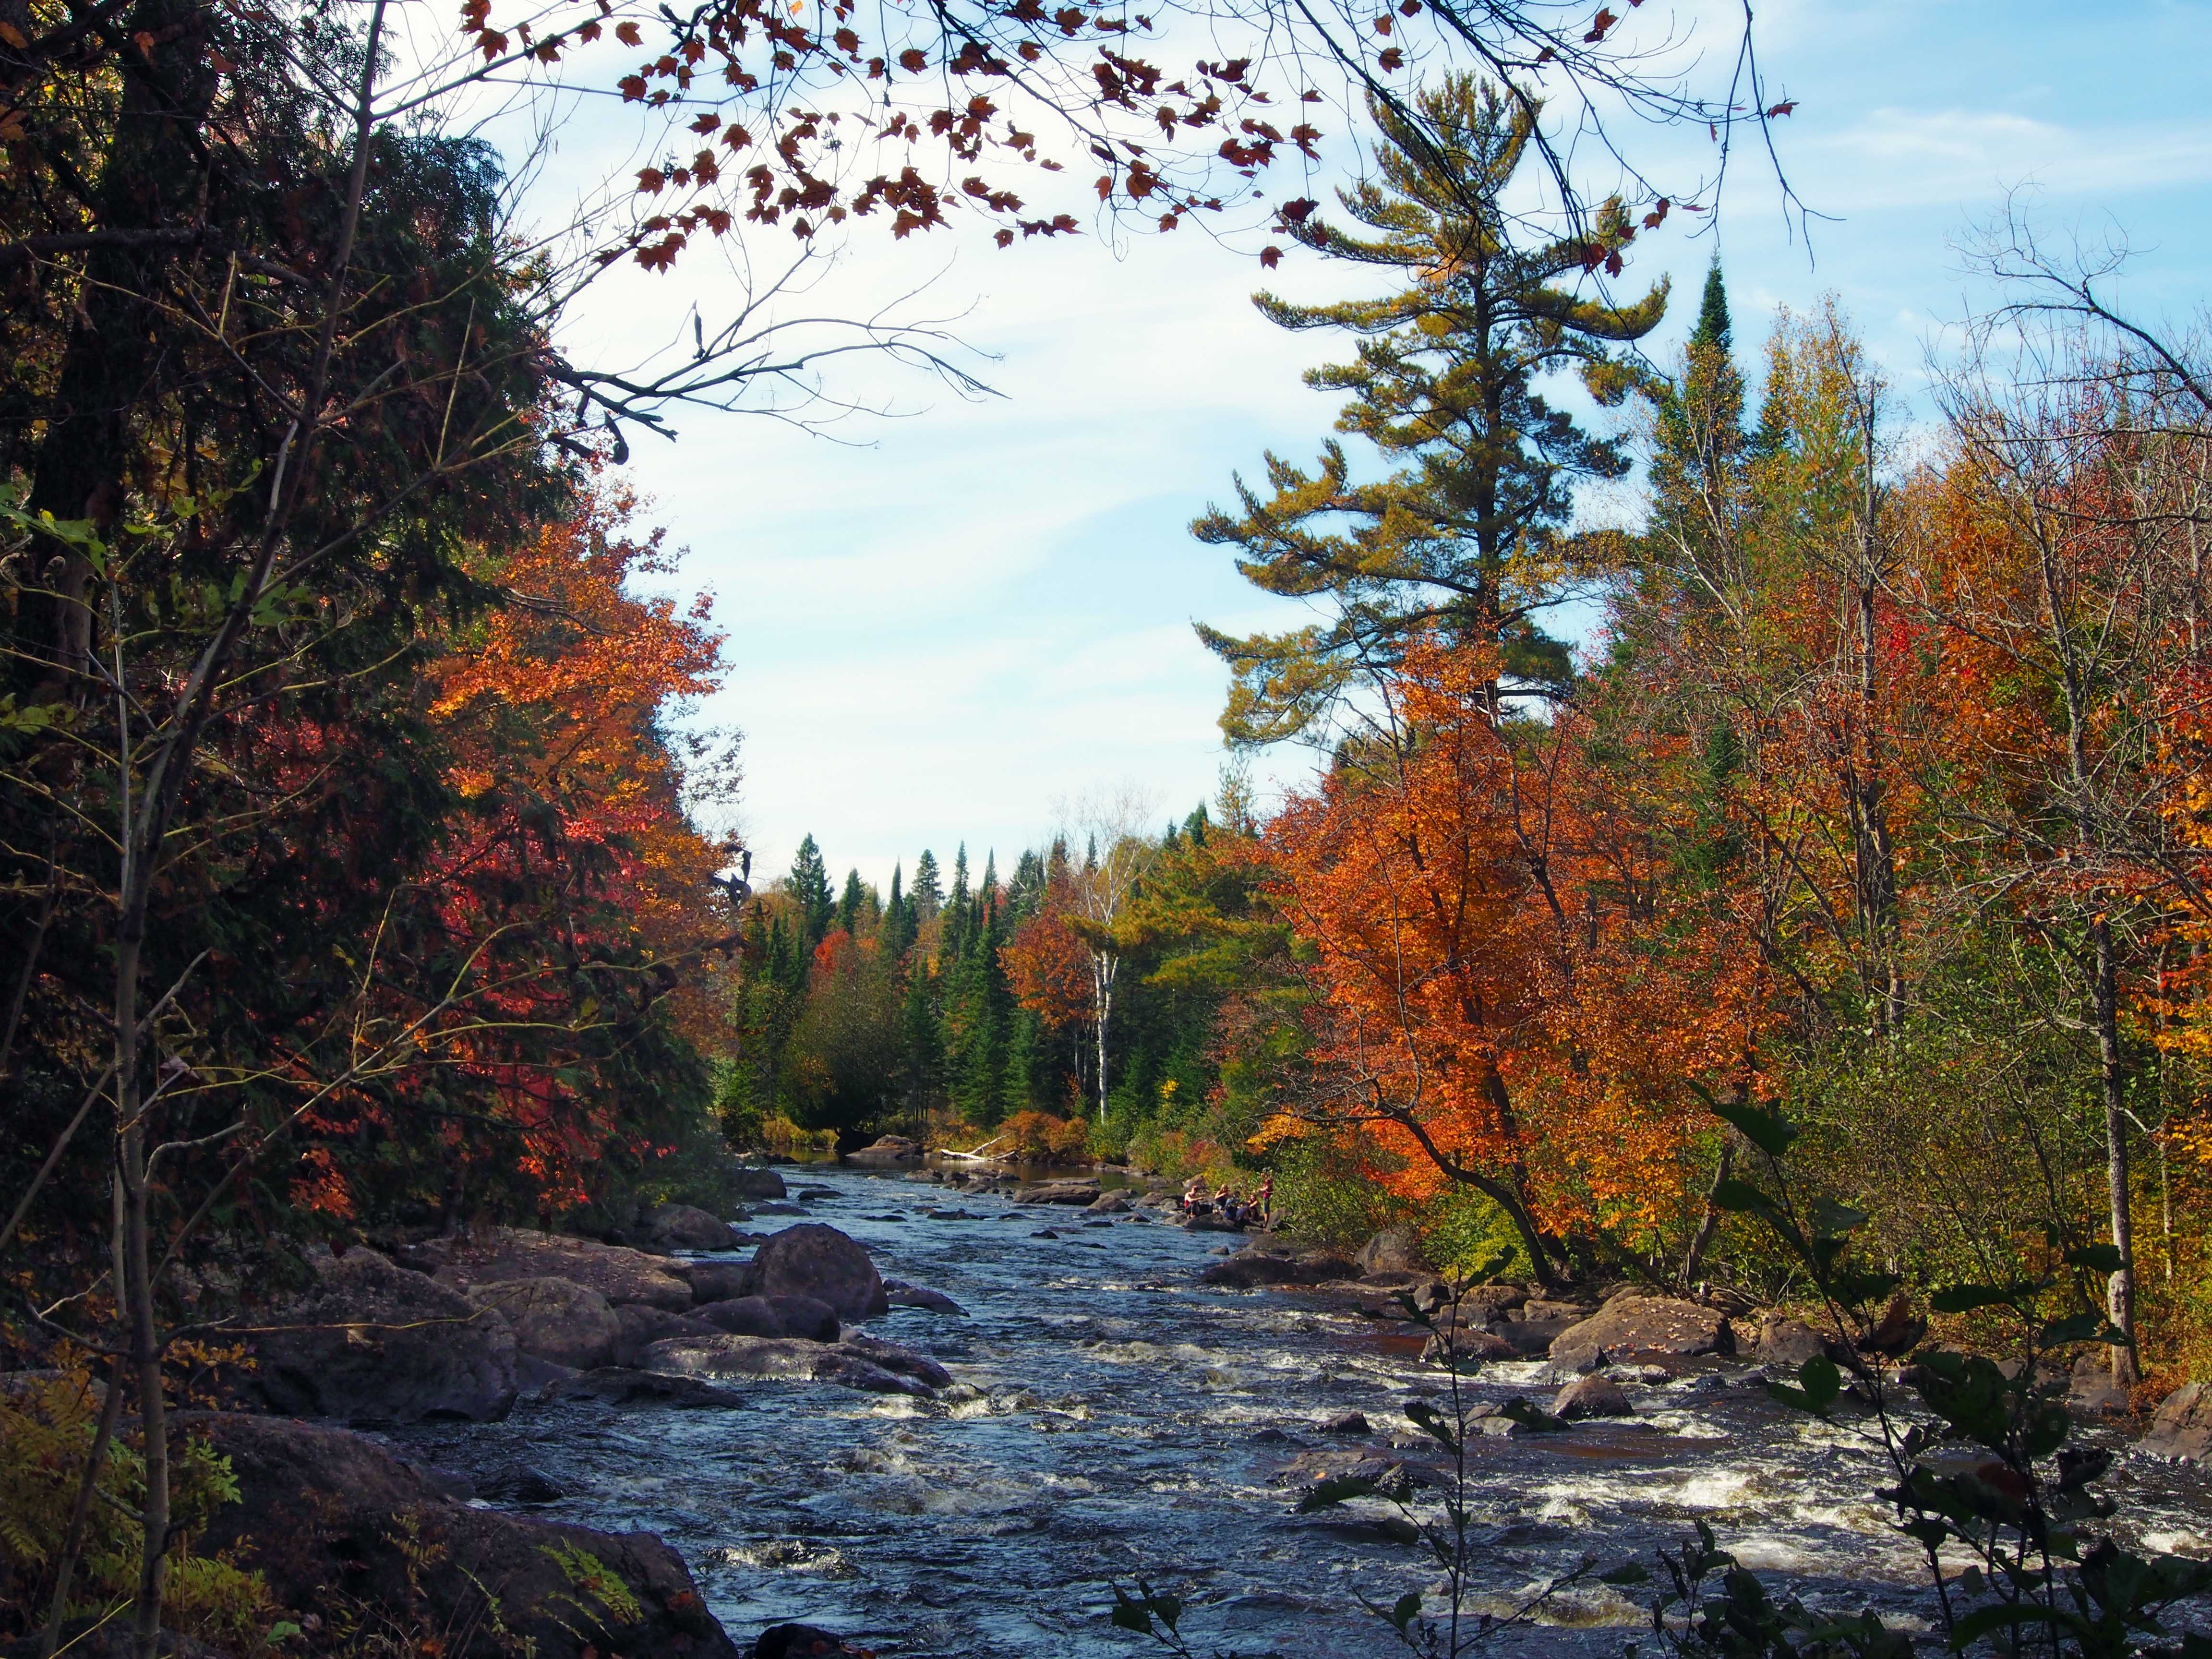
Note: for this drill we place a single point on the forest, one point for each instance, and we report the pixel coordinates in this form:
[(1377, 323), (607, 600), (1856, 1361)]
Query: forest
[(359, 877)]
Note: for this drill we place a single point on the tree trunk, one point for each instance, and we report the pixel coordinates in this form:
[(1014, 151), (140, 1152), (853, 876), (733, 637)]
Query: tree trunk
[(2120, 1289), (1708, 1224)]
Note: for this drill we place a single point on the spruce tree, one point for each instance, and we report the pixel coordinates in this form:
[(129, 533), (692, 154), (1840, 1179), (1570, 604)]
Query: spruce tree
[(852, 904), (928, 894), (958, 897), (1698, 494), (809, 885), (1469, 534)]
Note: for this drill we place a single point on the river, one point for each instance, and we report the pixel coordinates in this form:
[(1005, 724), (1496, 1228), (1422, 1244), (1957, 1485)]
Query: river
[(1106, 1428)]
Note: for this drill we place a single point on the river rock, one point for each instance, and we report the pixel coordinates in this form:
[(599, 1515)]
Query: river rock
[(639, 1327), (686, 1227), (555, 1319), (620, 1385), (745, 1183), (334, 1520), (1109, 1204), (897, 1358), (802, 1642), (802, 1316), (1395, 1250), (1253, 1267), (1591, 1396), (1787, 1344), (900, 1294), (710, 1281), (1641, 1324), (818, 1260), (615, 1271), (887, 1149), (781, 1359), (372, 1342), (2091, 1391), (1350, 1423), (2181, 1429), (1470, 1344), (1083, 1193)]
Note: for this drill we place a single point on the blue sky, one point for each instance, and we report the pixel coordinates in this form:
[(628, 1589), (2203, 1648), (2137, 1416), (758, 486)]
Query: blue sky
[(942, 622)]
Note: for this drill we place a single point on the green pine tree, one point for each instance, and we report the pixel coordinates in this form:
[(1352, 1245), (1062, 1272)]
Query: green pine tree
[(1468, 533), (928, 894), (809, 885)]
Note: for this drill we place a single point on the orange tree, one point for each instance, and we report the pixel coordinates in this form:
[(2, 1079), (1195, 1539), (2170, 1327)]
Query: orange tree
[(1510, 993)]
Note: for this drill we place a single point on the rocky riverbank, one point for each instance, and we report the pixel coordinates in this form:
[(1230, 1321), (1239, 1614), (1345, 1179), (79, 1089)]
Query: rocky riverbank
[(530, 1440)]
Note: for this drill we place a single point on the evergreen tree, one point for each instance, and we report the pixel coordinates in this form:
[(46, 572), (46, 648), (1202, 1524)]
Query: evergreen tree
[(922, 1041), (1468, 534), (852, 904), (899, 930), (928, 894), (958, 897), (809, 885), (1698, 463)]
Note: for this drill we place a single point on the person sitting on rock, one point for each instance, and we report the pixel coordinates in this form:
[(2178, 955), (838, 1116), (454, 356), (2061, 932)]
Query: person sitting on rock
[(1194, 1196)]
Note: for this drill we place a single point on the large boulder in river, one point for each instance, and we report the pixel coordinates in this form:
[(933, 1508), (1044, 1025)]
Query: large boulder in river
[(1642, 1324), (371, 1342), (1083, 1193), (615, 1271), (887, 1149), (877, 1367), (642, 1326), (1252, 1266), (555, 1319), (802, 1316), (1395, 1250), (2181, 1429), (334, 1522), (1591, 1396), (686, 1227), (817, 1261), (745, 1182), (1786, 1344), (710, 1281)]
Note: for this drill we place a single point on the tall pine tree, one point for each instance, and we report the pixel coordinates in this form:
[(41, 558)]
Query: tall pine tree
[(809, 886), (1468, 534)]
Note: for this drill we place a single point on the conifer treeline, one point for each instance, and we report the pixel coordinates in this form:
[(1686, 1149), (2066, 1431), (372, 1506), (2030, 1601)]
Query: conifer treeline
[(858, 1012)]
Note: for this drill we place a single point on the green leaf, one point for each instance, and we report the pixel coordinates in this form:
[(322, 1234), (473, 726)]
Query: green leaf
[(1965, 1299), (2098, 1258), (1740, 1196), (1408, 1609), (1820, 1380), (2085, 1326), (1765, 1130), (1132, 1615), (1984, 1621)]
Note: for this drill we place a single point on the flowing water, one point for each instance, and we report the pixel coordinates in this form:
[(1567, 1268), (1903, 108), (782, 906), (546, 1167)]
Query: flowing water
[(1114, 1423)]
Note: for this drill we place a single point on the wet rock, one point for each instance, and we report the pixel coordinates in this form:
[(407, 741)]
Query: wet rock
[(1254, 1266), (710, 1281), (1536, 1310), (1044, 1232), (898, 1359), (1469, 1343), (802, 1316), (555, 1319), (615, 1271), (520, 1484), (800, 1642), (1591, 1396), (1786, 1343), (685, 1227), (781, 1209), (809, 1192), (1082, 1193), (819, 1261), (781, 1359), (887, 1149), (2091, 1391), (1395, 1250), (533, 1376), (641, 1327), (756, 1183), (1633, 1324), (333, 1520), (622, 1386), (372, 1342), (1529, 1340), (1111, 1204), (900, 1294), (1101, 1222), (1275, 1437), (1350, 1423)]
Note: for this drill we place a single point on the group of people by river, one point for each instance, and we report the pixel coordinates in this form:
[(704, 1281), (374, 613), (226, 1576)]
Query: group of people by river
[(1228, 1204)]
